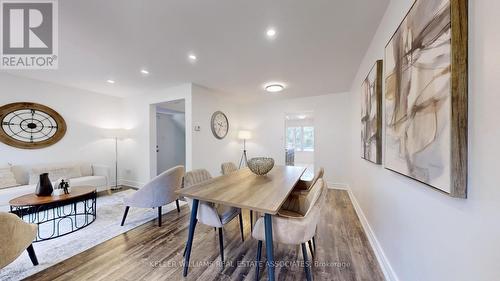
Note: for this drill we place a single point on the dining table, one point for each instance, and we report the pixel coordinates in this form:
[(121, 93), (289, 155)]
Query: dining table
[(243, 189)]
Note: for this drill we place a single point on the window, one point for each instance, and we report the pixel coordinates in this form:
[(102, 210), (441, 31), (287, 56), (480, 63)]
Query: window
[(300, 138)]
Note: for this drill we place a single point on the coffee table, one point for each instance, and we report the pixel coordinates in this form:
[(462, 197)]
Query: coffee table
[(57, 216)]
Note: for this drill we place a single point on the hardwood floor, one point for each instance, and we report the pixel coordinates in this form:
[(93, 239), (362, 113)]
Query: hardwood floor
[(149, 252)]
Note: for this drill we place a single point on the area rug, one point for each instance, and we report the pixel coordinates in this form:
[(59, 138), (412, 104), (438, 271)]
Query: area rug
[(106, 226)]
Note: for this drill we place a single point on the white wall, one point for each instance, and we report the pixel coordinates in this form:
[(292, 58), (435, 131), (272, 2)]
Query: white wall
[(208, 151), (171, 140), (425, 234), (331, 122), (86, 114), (138, 165), (203, 150)]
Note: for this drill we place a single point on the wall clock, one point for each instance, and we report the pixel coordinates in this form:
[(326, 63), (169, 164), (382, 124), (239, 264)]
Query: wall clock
[(30, 125), (219, 124)]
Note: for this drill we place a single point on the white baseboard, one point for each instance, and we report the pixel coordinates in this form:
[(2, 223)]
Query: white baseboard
[(385, 265), (337, 185), (130, 183)]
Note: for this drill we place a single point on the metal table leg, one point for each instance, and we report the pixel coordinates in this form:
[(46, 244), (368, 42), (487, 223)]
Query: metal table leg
[(192, 225), (269, 246)]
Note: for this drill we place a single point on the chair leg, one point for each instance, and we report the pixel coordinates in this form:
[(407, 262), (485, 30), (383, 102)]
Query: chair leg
[(159, 216), (31, 253), (306, 263), (177, 204), (251, 220), (259, 256), (125, 215), (185, 248), (241, 227), (314, 244), (311, 248), (221, 246)]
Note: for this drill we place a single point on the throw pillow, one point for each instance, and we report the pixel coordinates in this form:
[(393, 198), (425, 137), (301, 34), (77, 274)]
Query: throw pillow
[(7, 178), (55, 173)]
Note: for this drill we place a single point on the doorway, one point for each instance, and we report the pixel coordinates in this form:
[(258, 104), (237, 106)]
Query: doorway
[(170, 135), (299, 144)]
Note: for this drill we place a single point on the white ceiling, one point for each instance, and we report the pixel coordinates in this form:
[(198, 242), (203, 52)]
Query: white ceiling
[(317, 50)]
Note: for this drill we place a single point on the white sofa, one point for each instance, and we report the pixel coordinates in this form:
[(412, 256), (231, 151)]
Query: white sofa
[(81, 174)]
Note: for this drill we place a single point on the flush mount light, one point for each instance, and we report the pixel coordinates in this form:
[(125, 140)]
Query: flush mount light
[(274, 87), (110, 81), (271, 33), (192, 57), (144, 72)]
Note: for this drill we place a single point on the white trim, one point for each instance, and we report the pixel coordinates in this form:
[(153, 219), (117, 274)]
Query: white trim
[(337, 185), (130, 183), (385, 265)]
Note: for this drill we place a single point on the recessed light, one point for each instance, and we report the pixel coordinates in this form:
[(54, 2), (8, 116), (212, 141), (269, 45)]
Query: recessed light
[(274, 87), (144, 71), (271, 33), (110, 81), (192, 57)]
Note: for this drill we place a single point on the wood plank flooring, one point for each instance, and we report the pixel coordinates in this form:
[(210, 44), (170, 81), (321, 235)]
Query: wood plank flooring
[(149, 252)]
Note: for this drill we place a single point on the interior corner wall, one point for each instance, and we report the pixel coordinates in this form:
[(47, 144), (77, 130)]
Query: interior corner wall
[(425, 234), (266, 121), (209, 152), (203, 150), (87, 115), (138, 164)]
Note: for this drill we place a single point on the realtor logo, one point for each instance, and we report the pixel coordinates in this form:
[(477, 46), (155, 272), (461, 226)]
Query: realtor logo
[(29, 34)]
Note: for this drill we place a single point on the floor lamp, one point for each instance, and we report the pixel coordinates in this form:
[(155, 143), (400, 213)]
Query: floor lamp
[(244, 135), (116, 134)]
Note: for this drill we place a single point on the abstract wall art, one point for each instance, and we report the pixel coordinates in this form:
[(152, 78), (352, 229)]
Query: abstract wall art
[(426, 96), (371, 115)]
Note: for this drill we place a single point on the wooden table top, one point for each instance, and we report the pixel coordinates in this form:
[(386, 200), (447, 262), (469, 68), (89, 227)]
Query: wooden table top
[(245, 190), (33, 200)]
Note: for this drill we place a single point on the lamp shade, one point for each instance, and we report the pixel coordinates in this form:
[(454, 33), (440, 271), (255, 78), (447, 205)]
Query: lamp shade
[(244, 135), (115, 133)]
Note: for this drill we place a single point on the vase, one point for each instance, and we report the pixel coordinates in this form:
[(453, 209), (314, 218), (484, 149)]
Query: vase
[(44, 186)]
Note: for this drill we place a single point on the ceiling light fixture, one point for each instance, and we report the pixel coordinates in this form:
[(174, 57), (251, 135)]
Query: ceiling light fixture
[(144, 71), (110, 81), (192, 57), (271, 33), (274, 88)]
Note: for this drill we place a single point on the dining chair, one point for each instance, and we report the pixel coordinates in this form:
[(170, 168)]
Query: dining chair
[(294, 228), (228, 167), (15, 237), (301, 189), (214, 215), (305, 185), (158, 192)]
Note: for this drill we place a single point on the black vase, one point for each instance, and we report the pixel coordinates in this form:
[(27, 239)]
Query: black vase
[(44, 186)]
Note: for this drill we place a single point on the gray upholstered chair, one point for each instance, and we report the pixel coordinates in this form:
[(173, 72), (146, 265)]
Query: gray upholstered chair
[(295, 228), (15, 237), (214, 215), (158, 192), (228, 167), (303, 185), (301, 189)]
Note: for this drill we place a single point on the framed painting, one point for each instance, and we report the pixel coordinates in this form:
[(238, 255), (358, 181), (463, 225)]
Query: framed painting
[(426, 96), (371, 115)]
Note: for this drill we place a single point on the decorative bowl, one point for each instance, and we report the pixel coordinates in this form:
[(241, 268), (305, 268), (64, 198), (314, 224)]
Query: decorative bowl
[(261, 165)]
